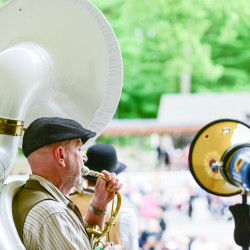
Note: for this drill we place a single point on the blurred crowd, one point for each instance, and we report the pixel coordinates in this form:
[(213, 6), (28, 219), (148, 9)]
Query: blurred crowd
[(155, 197), (163, 198)]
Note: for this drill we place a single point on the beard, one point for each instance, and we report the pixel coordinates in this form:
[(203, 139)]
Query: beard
[(73, 175)]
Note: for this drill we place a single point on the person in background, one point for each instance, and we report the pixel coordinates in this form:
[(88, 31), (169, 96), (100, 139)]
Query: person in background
[(103, 156)]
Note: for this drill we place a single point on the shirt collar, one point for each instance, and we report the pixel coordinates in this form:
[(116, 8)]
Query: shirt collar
[(51, 188)]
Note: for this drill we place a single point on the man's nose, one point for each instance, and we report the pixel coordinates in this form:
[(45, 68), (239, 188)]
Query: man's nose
[(84, 157)]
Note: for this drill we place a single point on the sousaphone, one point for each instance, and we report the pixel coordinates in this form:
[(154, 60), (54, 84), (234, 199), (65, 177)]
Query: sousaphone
[(57, 58)]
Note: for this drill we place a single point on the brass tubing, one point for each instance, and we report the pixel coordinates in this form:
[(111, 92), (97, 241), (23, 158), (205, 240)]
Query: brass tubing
[(96, 234), (11, 127), (111, 222)]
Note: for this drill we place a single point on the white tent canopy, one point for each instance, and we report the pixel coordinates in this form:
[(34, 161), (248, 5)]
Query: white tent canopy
[(200, 109)]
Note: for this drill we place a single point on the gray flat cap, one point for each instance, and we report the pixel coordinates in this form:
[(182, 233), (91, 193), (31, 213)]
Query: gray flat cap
[(48, 130)]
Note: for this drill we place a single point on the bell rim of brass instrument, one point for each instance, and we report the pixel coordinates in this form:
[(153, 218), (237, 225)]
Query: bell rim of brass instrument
[(229, 189), (71, 80)]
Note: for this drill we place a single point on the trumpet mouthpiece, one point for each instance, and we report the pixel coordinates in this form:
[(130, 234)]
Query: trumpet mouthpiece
[(85, 170)]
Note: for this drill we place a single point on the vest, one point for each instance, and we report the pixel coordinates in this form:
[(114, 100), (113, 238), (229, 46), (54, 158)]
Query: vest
[(31, 194), (83, 200)]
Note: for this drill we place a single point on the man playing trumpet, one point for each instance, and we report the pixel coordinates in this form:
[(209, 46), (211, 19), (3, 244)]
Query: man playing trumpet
[(125, 231), (44, 217)]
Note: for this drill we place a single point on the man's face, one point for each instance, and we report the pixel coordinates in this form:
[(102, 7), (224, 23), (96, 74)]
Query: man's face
[(76, 158)]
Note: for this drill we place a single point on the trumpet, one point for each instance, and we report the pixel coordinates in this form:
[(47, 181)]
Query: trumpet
[(95, 233)]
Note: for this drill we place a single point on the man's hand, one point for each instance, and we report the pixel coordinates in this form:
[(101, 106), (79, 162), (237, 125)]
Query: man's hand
[(109, 247), (102, 196)]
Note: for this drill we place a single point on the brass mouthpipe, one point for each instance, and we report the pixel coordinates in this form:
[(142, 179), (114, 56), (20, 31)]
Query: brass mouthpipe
[(87, 171)]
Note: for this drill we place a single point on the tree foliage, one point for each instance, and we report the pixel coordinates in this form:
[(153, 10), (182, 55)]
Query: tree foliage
[(155, 37), (160, 40)]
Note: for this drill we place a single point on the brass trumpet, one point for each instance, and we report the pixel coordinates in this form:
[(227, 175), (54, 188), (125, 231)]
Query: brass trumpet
[(95, 233)]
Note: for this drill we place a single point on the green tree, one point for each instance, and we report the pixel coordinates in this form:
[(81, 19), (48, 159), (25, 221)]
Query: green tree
[(2, 2), (154, 37)]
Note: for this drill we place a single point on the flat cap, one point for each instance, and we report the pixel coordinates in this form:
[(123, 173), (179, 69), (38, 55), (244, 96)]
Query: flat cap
[(48, 130)]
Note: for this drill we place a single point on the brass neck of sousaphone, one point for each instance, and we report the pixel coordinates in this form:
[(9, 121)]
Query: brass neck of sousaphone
[(11, 127)]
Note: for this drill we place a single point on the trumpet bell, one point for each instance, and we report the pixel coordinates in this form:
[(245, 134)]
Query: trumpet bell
[(208, 147)]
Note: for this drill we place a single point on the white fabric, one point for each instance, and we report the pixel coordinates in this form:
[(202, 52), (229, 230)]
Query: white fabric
[(53, 225), (198, 245), (128, 229)]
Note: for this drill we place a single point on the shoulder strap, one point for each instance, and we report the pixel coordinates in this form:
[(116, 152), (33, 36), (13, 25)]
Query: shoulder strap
[(31, 194)]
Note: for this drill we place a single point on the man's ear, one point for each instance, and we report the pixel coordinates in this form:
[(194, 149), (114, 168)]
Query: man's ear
[(60, 155)]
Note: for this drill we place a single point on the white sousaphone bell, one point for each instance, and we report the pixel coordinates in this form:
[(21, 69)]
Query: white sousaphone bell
[(57, 58)]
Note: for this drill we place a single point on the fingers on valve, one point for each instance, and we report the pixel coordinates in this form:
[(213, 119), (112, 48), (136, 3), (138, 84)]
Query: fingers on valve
[(116, 187), (107, 246), (107, 174), (113, 179)]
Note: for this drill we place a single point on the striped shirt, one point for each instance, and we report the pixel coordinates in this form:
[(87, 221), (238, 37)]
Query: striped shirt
[(53, 225)]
